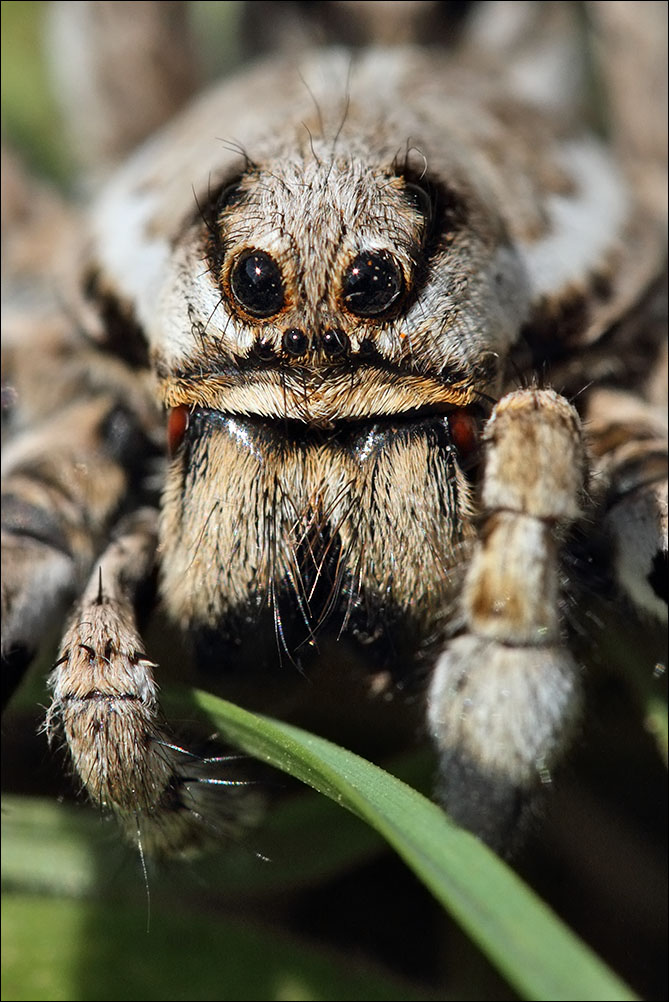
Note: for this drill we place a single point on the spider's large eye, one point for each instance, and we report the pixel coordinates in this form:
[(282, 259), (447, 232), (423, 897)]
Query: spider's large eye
[(372, 284), (256, 284)]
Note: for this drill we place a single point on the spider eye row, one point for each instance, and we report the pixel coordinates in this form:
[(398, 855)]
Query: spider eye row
[(333, 342), (372, 285)]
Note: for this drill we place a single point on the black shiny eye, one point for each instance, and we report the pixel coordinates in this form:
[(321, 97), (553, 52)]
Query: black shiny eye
[(256, 284), (421, 200), (295, 341), (230, 195), (264, 351), (334, 342), (372, 284)]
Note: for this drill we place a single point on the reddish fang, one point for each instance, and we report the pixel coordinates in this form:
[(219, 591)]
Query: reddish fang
[(464, 432), (178, 420)]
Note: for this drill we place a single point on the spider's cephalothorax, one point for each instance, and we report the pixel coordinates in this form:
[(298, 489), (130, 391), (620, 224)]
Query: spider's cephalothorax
[(335, 305)]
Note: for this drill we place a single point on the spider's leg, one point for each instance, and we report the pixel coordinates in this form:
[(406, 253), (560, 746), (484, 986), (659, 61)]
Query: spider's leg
[(505, 692), (65, 481), (627, 438), (80, 424)]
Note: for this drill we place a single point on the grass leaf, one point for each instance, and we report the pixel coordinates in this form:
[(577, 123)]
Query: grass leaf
[(540, 957)]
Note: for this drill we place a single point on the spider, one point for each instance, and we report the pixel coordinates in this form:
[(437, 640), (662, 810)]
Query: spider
[(348, 377)]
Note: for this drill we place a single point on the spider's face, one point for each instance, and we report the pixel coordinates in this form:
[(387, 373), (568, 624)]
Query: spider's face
[(325, 289), (314, 382)]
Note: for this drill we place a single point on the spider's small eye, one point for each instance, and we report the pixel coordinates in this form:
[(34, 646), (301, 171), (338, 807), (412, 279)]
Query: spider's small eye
[(295, 342), (419, 197), (229, 195), (372, 284), (256, 284), (334, 342)]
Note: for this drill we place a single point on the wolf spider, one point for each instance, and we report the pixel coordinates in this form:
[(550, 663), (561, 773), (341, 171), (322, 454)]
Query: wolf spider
[(401, 316)]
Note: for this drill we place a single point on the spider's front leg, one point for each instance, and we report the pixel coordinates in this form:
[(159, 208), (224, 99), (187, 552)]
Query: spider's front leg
[(505, 693)]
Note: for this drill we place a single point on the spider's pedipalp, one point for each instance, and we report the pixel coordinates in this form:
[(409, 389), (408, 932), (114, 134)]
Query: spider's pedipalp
[(505, 694), (105, 704)]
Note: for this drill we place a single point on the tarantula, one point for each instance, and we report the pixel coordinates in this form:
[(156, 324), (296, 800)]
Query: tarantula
[(344, 282)]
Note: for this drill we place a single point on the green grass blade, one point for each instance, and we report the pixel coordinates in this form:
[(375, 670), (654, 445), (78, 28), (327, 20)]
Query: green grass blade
[(539, 956)]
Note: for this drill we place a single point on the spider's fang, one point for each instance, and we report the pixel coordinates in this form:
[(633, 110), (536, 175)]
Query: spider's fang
[(177, 425)]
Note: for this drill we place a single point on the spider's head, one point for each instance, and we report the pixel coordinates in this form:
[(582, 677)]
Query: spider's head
[(332, 290)]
